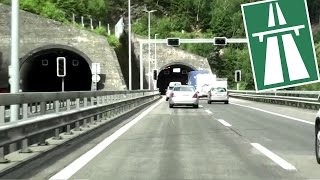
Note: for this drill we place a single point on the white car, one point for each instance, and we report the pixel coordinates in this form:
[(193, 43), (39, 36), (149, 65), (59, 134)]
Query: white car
[(218, 94), (184, 95), (317, 137)]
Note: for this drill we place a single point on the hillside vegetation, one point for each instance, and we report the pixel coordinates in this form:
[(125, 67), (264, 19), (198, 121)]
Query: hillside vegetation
[(176, 18)]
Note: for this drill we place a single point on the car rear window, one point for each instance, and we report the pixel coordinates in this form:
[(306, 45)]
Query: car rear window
[(170, 88), (219, 89), (188, 89)]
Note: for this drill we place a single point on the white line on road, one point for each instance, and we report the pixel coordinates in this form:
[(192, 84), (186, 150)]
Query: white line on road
[(76, 165), (224, 122), (275, 158), (209, 112), (289, 117), (201, 106)]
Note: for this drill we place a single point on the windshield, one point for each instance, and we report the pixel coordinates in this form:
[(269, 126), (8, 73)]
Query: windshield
[(188, 89), (219, 89)]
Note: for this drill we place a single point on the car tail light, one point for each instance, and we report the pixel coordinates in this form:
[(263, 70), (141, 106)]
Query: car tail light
[(172, 94)]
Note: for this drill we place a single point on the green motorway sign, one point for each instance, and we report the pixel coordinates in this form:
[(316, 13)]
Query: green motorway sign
[(280, 43)]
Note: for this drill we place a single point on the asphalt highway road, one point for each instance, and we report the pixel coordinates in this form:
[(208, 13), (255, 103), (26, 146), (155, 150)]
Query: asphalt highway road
[(241, 140)]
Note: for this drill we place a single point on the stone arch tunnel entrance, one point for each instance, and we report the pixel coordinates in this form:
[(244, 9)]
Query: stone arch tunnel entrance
[(38, 71), (176, 72)]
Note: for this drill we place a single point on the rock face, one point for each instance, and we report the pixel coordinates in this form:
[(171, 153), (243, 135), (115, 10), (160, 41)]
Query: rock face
[(38, 33)]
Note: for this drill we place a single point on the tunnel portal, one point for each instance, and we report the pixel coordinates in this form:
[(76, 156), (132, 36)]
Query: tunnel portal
[(39, 72), (173, 73)]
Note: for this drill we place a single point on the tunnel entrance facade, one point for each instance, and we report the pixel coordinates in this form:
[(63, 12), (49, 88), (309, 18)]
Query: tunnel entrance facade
[(38, 70), (176, 72)]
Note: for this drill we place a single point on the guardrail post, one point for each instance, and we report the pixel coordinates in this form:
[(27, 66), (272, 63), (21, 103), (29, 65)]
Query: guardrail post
[(91, 101), (92, 121), (68, 131), (85, 123), (108, 99), (68, 104), (2, 158), (43, 107), (77, 128), (24, 111), (103, 99), (78, 103), (2, 114), (85, 102), (57, 106), (25, 147), (42, 140), (98, 100), (99, 117), (57, 134)]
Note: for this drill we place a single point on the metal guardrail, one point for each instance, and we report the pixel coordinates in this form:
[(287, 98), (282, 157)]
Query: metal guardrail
[(301, 99), (47, 115)]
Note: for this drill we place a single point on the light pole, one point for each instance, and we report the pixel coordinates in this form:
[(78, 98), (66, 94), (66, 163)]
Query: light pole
[(14, 78), (155, 52), (149, 73), (129, 41)]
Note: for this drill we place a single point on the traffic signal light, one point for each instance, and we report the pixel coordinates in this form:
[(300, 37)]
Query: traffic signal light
[(173, 42), (238, 75), (220, 41), (61, 66), (155, 74)]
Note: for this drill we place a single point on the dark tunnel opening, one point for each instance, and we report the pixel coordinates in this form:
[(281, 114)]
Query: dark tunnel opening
[(39, 72), (173, 73)]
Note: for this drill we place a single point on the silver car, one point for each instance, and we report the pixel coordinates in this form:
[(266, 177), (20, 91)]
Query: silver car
[(184, 95), (218, 94)]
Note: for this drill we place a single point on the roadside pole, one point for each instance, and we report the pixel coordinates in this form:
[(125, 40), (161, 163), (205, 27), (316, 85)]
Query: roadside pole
[(14, 78)]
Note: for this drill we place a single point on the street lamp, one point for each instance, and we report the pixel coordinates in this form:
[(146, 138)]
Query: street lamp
[(149, 17), (129, 41), (14, 73), (155, 52)]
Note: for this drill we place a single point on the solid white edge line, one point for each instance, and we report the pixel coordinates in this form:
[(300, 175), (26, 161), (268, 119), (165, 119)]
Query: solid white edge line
[(275, 158), (225, 123), (76, 165), (265, 111), (208, 111)]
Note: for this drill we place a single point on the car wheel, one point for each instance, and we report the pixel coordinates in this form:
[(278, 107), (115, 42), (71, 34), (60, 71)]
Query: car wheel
[(196, 106), (317, 142), (170, 105), (226, 102), (209, 102)]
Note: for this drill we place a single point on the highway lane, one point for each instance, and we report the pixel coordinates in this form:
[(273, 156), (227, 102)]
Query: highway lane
[(187, 143), (292, 140)]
